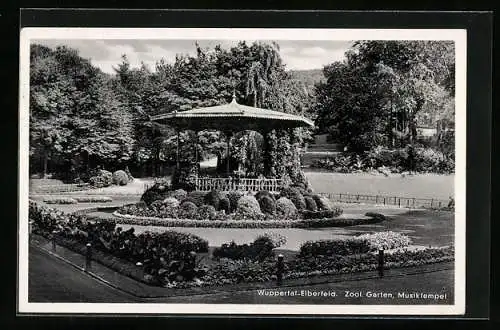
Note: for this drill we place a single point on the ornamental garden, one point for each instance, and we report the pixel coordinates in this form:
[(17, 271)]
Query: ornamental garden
[(258, 183)]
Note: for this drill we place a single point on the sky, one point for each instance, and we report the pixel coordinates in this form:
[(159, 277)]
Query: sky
[(106, 53)]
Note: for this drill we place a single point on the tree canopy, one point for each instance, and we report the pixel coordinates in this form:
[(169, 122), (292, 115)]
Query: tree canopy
[(106, 117), (384, 89)]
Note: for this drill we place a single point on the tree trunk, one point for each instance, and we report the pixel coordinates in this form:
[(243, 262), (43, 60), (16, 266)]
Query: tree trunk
[(45, 163)]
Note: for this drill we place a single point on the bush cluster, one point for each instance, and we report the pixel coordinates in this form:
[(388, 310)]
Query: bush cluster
[(294, 194), (310, 204), (196, 197), (322, 202), (286, 209), (120, 178), (355, 245), (234, 197), (158, 191), (102, 179), (248, 207), (267, 204), (419, 159), (206, 212), (179, 194), (188, 210), (166, 256), (260, 249), (225, 205), (334, 247), (213, 198)]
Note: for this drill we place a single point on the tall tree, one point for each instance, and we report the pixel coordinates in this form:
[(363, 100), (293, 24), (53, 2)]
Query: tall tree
[(382, 89)]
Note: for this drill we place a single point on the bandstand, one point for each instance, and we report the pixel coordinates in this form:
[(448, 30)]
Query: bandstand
[(231, 118)]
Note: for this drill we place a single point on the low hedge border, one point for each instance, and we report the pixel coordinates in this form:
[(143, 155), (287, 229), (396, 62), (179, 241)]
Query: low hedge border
[(230, 272), (310, 223), (369, 267)]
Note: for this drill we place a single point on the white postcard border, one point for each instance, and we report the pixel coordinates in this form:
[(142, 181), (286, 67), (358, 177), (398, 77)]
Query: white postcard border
[(456, 35)]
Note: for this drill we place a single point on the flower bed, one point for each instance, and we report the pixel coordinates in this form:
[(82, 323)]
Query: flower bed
[(59, 188), (167, 259), (355, 245), (60, 200), (330, 265), (76, 200), (93, 199), (276, 223), (164, 255)]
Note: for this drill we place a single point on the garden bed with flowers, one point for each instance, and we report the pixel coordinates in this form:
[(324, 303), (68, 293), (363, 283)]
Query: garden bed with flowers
[(180, 260), (293, 207), (279, 223)]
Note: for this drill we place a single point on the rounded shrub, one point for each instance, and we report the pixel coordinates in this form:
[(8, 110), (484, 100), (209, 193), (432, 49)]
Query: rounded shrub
[(248, 207), (171, 202), (267, 204), (322, 202), (188, 210), (151, 195), (196, 197), (213, 198), (102, 179), (157, 204), (263, 193), (120, 178), (225, 205), (206, 212), (178, 194), (310, 203), (233, 197), (293, 194), (286, 209), (169, 208), (303, 191)]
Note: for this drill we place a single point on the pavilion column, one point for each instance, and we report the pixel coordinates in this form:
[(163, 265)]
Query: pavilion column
[(178, 150), (228, 150), (196, 147), (267, 153)]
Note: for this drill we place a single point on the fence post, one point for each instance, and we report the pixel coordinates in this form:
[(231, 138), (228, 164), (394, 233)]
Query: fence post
[(54, 232), (384, 200), (381, 263), (399, 202), (376, 199), (280, 269), (88, 257), (432, 202)]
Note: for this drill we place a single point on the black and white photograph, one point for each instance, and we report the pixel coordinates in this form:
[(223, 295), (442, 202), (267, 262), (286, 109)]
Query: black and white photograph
[(269, 171)]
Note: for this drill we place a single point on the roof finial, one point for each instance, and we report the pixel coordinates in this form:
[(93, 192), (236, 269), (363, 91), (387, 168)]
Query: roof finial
[(234, 96)]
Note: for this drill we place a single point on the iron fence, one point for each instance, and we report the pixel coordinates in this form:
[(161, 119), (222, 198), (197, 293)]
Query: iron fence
[(407, 202)]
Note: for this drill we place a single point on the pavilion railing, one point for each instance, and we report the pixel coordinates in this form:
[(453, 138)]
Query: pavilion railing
[(242, 184)]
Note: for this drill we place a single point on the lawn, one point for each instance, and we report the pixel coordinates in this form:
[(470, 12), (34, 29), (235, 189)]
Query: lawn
[(416, 186)]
